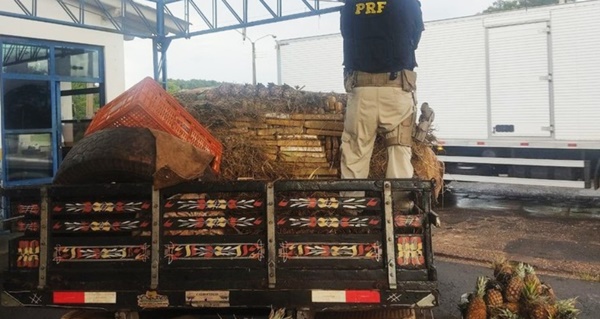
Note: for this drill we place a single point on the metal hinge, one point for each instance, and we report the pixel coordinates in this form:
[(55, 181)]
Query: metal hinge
[(548, 128), (547, 30), (272, 244)]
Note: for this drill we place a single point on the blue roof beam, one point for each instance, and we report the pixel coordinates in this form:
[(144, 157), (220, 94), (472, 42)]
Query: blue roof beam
[(283, 11), (32, 11)]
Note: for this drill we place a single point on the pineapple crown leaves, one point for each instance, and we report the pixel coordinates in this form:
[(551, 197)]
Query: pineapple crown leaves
[(481, 285), (278, 314), (506, 314), (501, 264), (567, 309), (531, 291), (529, 269), (520, 271)]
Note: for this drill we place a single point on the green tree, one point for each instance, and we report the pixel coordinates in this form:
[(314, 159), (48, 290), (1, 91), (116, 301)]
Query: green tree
[(80, 101), (172, 86), (175, 85), (506, 5)]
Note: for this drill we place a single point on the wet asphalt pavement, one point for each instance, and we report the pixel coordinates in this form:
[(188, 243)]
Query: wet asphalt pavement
[(529, 200), (457, 279), (548, 210)]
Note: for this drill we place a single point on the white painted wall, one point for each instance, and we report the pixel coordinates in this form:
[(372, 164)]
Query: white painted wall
[(111, 42)]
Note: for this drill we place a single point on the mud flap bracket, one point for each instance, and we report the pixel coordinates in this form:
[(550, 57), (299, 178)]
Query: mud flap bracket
[(6, 300), (389, 236)]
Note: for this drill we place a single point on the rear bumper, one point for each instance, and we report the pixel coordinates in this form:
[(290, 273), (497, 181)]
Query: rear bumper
[(316, 300)]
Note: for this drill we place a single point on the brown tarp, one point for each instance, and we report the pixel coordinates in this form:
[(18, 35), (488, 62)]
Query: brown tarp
[(177, 161)]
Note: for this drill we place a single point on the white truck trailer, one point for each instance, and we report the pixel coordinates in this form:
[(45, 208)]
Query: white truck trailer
[(516, 94)]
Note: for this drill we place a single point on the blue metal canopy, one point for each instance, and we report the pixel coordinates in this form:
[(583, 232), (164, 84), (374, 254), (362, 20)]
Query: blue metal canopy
[(166, 20)]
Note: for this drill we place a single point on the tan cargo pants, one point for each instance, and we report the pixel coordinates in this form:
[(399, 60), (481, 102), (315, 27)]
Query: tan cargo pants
[(371, 109)]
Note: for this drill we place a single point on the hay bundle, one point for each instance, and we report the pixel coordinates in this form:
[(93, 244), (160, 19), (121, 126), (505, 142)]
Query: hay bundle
[(276, 132), (427, 166)]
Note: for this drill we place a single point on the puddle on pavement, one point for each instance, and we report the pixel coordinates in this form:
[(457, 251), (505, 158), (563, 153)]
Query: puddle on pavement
[(487, 204), (530, 207), (542, 210)]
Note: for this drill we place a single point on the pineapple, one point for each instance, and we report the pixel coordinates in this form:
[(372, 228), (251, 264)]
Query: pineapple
[(565, 309), (536, 306), (493, 294), (542, 310), (513, 290), (477, 308), (531, 277), (502, 271), (512, 307)]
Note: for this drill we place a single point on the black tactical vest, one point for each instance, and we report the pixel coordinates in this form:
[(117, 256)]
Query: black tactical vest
[(381, 36)]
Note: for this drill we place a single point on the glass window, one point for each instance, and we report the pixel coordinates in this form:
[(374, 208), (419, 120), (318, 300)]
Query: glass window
[(77, 62), (78, 102), (27, 104), (29, 59), (29, 156)]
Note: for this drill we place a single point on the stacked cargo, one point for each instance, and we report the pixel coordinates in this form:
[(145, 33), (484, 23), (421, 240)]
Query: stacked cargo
[(305, 144), (280, 132)]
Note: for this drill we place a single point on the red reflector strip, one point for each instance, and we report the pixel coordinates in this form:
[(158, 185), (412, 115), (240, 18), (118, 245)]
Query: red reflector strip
[(362, 296), (81, 297), (480, 143), (572, 145), (346, 296), (68, 297), (524, 144), (442, 142)]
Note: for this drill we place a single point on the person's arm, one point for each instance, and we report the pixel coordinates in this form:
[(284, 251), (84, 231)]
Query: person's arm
[(346, 32), (343, 23), (414, 10)]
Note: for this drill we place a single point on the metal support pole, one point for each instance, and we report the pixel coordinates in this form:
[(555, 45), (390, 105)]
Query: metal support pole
[(155, 59), (160, 44), (390, 236), (44, 238), (253, 63), (271, 229), (155, 255)]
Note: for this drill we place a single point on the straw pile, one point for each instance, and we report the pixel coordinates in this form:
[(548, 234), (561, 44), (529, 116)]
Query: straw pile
[(280, 132)]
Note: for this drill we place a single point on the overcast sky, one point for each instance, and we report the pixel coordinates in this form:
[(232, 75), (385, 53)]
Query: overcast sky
[(224, 56)]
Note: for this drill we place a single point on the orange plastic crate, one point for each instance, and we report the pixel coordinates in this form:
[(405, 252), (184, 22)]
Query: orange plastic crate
[(147, 104)]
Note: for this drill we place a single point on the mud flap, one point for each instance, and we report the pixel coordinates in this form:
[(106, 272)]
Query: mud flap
[(90, 314), (371, 314), (7, 300)]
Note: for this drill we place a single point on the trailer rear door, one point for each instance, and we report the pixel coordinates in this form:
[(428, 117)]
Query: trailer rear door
[(519, 79)]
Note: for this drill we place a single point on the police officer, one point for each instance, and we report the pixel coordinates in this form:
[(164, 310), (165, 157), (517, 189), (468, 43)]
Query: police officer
[(380, 39)]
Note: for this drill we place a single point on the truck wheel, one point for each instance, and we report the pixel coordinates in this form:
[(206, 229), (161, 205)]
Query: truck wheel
[(379, 314), (424, 314), (111, 155), (87, 314)]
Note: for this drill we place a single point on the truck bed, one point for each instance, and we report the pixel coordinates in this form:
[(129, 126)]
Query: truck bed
[(248, 244)]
